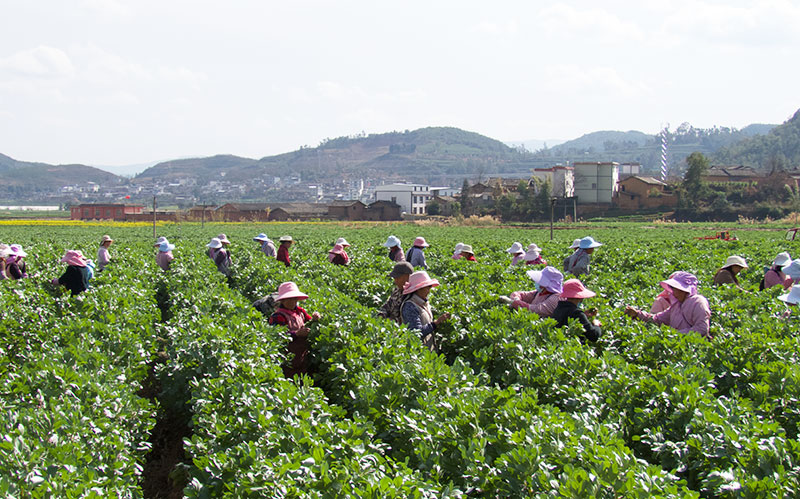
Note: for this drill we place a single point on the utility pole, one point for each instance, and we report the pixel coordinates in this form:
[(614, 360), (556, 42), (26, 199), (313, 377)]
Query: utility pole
[(203, 218), (154, 215), (552, 207)]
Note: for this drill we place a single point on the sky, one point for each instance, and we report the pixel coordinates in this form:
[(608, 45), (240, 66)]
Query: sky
[(116, 82)]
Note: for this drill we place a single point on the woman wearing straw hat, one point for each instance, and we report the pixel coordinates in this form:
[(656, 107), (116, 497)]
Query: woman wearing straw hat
[(572, 295), (727, 274), (103, 258), (220, 256), (544, 299), (774, 275), (467, 253), (415, 254), (283, 250), (457, 251), (533, 255), (395, 251), (76, 277), (516, 253), (689, 311), (5, 251), (267, 246), (416, 311), (16, 268), (578, 263), (295, 318), (338, 256), (164, 257)]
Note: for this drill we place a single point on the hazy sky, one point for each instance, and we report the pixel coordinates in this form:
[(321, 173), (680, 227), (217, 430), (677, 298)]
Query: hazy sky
[(119, 82)]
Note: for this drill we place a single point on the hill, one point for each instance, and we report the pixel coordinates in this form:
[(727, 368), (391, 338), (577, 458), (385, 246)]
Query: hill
[(23, 176), (780, 147), (602, 141)]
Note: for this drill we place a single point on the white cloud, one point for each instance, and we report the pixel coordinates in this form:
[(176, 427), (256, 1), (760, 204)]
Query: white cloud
[(40, 62), (593, 25), (107, 7), (507, 28), (569, 79)]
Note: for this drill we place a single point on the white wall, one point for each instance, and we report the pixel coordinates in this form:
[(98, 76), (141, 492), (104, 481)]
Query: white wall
[(412, 198)]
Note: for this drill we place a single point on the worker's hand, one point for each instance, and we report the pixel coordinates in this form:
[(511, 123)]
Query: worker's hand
[(597, 322), (591, 312), (302, 332), (630, 311), (315, 316), (442, 318)]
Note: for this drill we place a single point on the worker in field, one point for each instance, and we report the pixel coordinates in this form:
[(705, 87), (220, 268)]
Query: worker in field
[(396, 253), (516, 252), (727, 274), (391, 309), (689, 312), (467, 253), (774, 276), (345, 245), (5, 251), (338, 256), (76, 277), (457, 251), (569, 307), (285, 243), (416, 254), (103, 257), (548, 284), (267, 246), (219, 254), (295, 318), (792, 272), (578, 262), (164, 257), (416, 310), (16, 268), (533, 255)]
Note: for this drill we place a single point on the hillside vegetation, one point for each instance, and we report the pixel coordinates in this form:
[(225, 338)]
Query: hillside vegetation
[(779, 148)]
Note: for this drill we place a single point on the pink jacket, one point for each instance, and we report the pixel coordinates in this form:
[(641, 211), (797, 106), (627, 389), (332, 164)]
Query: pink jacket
[(691, 315), (536, 302), (774, 278), (517, 259)]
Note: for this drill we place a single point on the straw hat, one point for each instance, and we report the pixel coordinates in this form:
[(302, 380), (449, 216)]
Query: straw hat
[(574, 288), (261, 237), (458, 247), (337, 249), (588, 242), (467, 249), (681, 280), (223, 239), (289, 290), (515, 248), (74, 257), (17, 250), (392, 242), (793, 296), (549, 278), (782, 259), (342, 241), (420, 241), (106, 239), (575, 244), (284, 239), (793, 269), (160, 240), (735, 260), (215, 243), (165, 247), (417, 281)]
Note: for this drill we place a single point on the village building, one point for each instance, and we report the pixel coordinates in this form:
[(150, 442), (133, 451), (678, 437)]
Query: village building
[(561, 178), (412, 198), (726, 174), (104, 211), (639, 192), (596, 182)]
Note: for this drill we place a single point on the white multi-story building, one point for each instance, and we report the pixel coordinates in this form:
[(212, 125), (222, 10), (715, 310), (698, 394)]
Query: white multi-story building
[(562, 179), (412, 198), (595, 182)]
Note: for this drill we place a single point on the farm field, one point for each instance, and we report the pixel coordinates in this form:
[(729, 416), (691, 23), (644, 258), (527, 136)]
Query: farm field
[(168, 384)]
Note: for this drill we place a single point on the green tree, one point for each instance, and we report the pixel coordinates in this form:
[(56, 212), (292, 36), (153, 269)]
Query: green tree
[(696, 190), (466, 201)]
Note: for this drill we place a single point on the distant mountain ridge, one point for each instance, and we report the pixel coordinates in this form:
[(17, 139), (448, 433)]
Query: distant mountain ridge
[(22, 175), (778, 148)]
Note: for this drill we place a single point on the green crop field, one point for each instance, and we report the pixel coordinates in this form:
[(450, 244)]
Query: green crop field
[(155, 383)]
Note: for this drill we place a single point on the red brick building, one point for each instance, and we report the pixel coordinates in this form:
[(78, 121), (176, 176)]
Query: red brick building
[(104, 211), (641, 192)]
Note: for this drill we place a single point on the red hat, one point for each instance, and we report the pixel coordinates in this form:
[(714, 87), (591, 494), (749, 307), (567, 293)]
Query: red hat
[(574, 288)]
